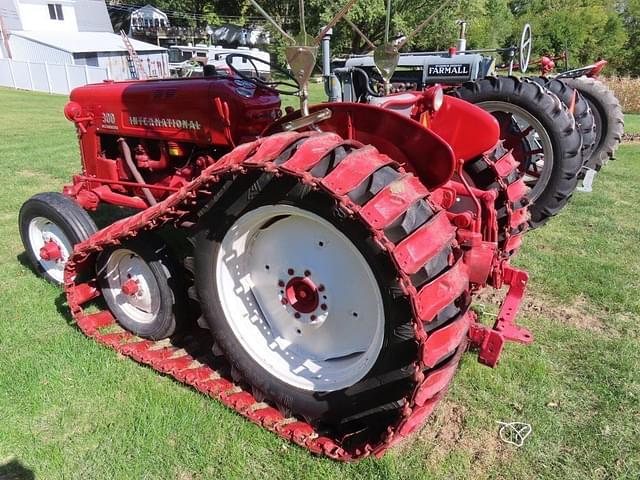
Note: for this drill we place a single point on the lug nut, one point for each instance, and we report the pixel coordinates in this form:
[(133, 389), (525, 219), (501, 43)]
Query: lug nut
[(297, 315), (307, 273), (321, 288), (323, 306), (291, 271), (280, 283)]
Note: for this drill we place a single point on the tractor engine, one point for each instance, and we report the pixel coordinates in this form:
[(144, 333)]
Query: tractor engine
[(142, 141)]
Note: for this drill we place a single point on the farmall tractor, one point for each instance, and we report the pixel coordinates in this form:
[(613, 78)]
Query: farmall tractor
[(559, 129), (605, 109), (321, 266)]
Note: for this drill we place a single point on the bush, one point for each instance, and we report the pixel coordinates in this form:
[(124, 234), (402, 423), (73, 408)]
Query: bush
[(627, 90)]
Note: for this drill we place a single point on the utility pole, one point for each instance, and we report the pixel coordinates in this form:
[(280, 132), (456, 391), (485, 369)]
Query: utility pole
[(5, 37)]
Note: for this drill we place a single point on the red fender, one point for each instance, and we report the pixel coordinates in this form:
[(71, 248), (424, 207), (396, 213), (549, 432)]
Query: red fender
[(419, 150), (467, 128)]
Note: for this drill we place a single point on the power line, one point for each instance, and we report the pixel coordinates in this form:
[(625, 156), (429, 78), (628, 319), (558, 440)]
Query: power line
[(176, 14)]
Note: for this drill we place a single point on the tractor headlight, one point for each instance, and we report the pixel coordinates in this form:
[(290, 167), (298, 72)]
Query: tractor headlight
[(438, 98), (433, 98), (72, 110)]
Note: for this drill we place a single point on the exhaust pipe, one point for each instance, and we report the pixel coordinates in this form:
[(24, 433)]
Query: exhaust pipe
[(462, 41), (332, 87)]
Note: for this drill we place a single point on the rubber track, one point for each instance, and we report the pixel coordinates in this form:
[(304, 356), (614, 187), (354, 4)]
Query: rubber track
[(441, 347)]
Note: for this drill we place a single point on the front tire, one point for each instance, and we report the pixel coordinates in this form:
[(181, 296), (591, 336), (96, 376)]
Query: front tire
[(50, 225)]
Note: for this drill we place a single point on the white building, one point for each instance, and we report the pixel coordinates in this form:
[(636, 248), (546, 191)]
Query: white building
[(72, 32), (149, 17)]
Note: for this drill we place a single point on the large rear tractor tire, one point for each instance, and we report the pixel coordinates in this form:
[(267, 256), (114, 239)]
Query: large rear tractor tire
[(542, 134), (608, 117), (585, 120), (307, 306), (50, 225)]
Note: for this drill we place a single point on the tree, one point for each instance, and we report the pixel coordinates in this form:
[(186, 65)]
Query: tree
[(628, 60), (587, 29)]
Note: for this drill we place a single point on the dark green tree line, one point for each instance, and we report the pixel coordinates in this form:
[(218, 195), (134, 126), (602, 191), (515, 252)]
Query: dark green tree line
[(587, 29)]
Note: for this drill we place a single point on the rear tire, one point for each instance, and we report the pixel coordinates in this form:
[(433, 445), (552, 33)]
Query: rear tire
[(57, 220), (552, 191), (609, 118), (371, 400), (582, 113)]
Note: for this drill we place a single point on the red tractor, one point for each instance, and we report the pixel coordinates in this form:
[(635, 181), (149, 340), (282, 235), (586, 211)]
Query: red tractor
[(313, 272)]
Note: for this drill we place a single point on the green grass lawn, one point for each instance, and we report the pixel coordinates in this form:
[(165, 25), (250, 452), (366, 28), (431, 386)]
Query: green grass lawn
[(72, 409), (632, 123)]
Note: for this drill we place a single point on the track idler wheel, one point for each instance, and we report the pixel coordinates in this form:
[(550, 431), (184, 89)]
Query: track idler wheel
[(142, 286)]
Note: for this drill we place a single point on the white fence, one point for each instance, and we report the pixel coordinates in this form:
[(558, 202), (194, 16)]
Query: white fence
[(48, 77)]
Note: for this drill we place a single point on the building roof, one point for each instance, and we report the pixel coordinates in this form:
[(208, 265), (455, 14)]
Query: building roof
[(148, 7), (86, 42)]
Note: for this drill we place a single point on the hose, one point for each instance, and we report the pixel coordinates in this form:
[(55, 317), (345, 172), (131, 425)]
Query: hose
[(126, 153)]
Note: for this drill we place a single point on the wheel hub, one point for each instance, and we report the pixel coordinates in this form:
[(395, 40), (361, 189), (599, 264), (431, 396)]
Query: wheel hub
[(130, 287), (50, 251), (302, 294), (50, 245), (300, 297)]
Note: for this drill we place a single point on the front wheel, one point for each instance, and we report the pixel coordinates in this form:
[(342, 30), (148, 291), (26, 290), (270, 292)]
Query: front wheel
[(50, 225)]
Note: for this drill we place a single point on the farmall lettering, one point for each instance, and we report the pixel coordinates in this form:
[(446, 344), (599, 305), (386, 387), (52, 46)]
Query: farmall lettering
[(154, 122), (448, 70)]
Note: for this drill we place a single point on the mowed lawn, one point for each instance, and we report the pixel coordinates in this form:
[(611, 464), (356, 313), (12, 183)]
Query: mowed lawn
[(72, 409), (632, 123)]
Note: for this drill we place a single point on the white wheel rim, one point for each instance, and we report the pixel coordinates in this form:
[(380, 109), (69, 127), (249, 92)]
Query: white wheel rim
[(124, 265), (42, 230), (331, 347)]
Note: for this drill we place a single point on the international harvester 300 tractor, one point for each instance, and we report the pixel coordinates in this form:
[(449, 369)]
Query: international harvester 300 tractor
[(314, 272)]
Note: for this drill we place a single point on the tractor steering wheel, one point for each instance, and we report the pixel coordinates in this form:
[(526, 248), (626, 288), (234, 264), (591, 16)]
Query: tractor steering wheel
[(291, 88), (525, 48)]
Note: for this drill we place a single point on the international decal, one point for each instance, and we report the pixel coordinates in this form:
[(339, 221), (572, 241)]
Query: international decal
[(155, 122)]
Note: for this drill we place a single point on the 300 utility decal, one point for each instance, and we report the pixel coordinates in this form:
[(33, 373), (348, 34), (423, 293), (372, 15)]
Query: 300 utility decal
[(109, 120)]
